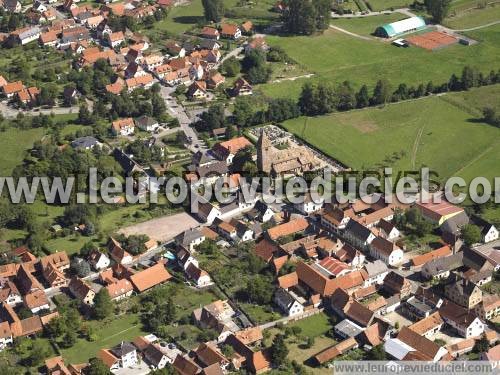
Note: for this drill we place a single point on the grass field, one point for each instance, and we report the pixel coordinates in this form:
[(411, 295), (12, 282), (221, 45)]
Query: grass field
[(367, 25), (343, 57), (432, 131), (378, 5), (110, 332), (14, 144), (467, 18), (313, 326)]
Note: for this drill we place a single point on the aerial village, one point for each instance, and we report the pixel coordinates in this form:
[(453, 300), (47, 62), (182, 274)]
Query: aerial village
[(244, 287)]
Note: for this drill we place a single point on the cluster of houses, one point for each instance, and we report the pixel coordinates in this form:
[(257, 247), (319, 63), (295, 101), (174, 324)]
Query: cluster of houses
[(17, 90)]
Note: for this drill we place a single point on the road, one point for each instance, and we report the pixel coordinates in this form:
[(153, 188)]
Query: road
[(9, 112), (178, 111), (404, 11), (235, 52)]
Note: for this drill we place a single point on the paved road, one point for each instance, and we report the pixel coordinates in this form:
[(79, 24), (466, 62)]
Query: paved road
[(405, 11), (235, 52), (178, 111), (10, 112)]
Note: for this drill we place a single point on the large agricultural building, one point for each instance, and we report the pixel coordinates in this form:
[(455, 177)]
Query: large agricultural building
[(400, 27)]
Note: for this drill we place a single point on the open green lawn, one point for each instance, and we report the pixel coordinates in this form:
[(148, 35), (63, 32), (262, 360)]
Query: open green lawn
[(181, 18), (313, 326), (464, 19), (378, 5), (343, 57), (367, 25), (14, 143), (110, 332), (430, 131)]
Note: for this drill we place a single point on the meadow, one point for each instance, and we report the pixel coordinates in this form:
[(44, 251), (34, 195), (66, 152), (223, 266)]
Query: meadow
[(443, 133), (335, 57), (473, 16), (366, 25), (378, 5)]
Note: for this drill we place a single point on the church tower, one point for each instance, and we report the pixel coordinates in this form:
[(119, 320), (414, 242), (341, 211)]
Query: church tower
[(264, 153)]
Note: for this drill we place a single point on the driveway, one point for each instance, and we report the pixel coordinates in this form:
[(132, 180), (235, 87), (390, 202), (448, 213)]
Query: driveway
[(163, 229)]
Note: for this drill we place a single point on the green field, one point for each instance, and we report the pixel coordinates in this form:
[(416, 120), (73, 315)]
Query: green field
[(378, 5), (367, 25), (110, 332), (434, 131), (14, 143), (469, 18), (343, 57), (313, 326)]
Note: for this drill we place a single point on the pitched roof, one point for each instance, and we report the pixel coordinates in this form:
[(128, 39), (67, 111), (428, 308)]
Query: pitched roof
[(119, 288), (185, 366), (107, 357), (289, 280), (291, 227), (229, 29), (36, 299), (265, 249), (383, 246), (424, 258), (436, 211), (250, 335), (208, 354), (335, 350), (359, 313), (150, 277), (426, 324), (5, 331), (232, 146), (420, 343)]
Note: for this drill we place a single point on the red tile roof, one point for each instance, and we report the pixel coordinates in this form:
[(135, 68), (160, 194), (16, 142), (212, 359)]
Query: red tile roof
[(150, 277)]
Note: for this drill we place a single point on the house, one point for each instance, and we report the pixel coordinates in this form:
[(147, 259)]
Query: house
[(190, 238), (241, 87), (115, 39), (492, 355), (289, 228), (214, 80), (11, 89), (334, 351), (440, 268), (438, 212), (144, 81), (388, 230), (147, 123), (261, 212), (394, 283), (36, 301), (210, 33), (82, 291), (218, 316), (120, 289), (463, 321), (333, 266), (49, 38), (85, 143), (38, 6), (155, 356), (488, 309), (463, 292), (387, 251), (6, 337), (429, 326), (256, 44), (247, 27), (226, 230), (124, 355), (375, 273), (184, 365), (28, 95), (26, 34), (53, 276), (13, 6), (208, 354), (150, 277), (198, 90), (226, 150), (59, 259), (98, 260), (200, 277), (351, 256), (9, 293), (335, 219), (288, 302), (123, 127), (230, 31), (409, 345), (118, 254), (489, 232), (358, 235), (420, 260), (309, 204)]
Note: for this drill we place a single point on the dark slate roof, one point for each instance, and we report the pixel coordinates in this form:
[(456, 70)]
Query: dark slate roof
[(463, 287), (188, 236), (145, 121), (202, 158), (208, 44), (127, 164), (449, 263), (219, 168), (123, 349), (284, 297), (84, 142), (358, 230)]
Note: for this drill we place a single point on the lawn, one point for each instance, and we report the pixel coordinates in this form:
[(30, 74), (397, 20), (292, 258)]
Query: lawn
[(14, 143), (378, 5), (343, 57), (407, 135), (470, 16), (110, 332), (181, 18), (367, 25), (313, 326)]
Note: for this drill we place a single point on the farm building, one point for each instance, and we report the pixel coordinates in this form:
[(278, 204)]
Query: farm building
[(400, 27)]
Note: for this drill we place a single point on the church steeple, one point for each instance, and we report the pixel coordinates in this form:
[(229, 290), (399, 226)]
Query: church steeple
[(264, 152)]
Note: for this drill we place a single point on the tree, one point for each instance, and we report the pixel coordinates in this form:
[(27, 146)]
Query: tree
[(103, 305), (307, 16), (259, 291), (382, 92), (213, 10), (243, 111), (280, 110), (309, 342), (279, 351), (481, 345), (214, 118), (438, 9), (80, 267), (231, 67), (362, 97), (38, 353), (471, 234), (377, 353), (97, 367), (84, 115)]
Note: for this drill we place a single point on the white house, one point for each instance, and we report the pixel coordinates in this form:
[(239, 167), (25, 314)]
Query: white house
[(5, 335), (147, 123), (99, 261), (358, 235), (200, 277), (387, 251), (190, 238), (288, 303), (10, 294), (466, 325), (376, 271), (388, 230), (308, 205), (123, 127), (155, 356)]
